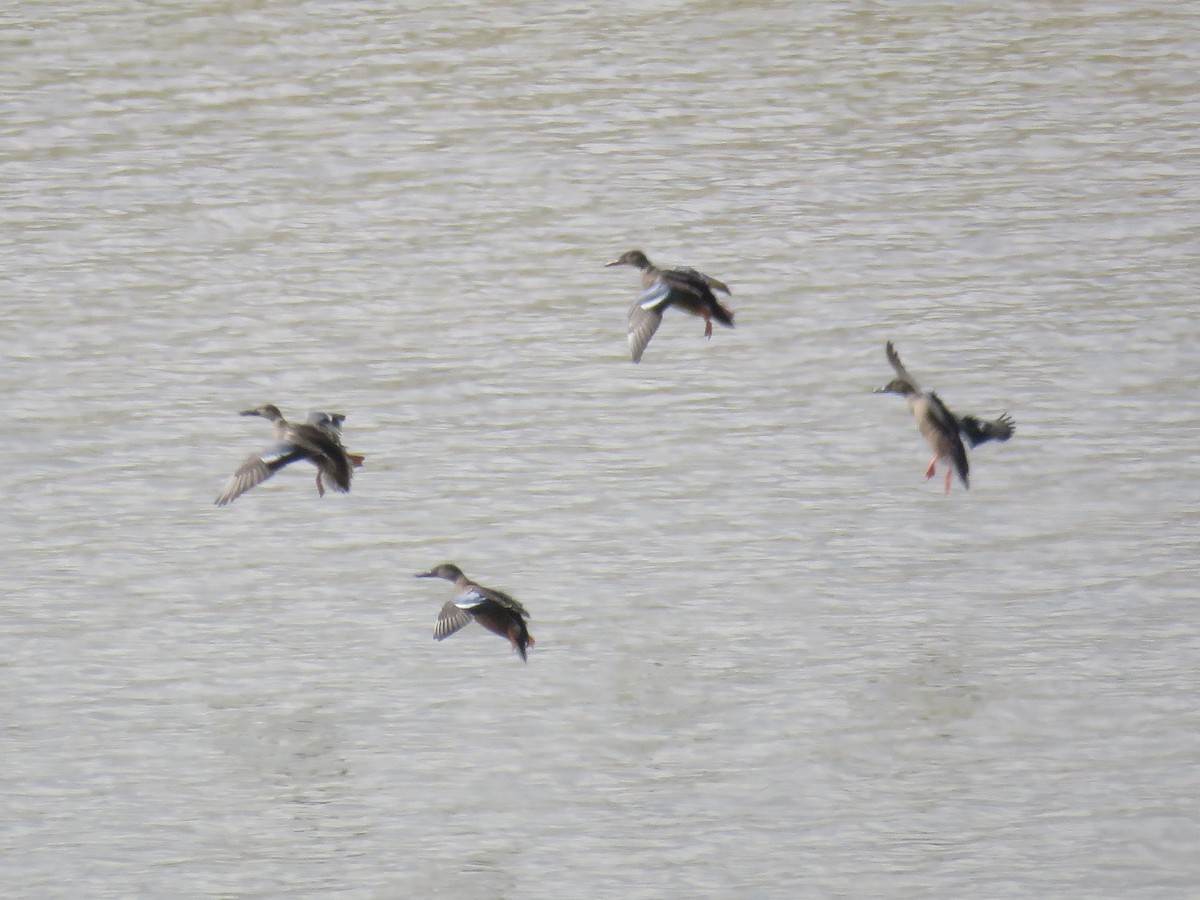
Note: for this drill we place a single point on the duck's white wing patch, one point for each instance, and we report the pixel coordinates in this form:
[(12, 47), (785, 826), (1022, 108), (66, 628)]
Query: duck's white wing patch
[(468, 599), (278, 455), (450, 620), (654, 295)]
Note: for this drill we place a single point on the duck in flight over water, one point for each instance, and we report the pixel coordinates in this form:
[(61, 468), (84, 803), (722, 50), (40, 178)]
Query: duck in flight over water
[(318, 440), (495, 610), (943, 429), (683, 288)]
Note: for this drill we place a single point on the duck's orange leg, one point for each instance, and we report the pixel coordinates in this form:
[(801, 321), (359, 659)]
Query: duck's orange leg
[(932, 470), (949, 473)]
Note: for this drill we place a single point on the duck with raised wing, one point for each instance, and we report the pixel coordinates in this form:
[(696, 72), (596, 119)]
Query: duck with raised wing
[(943, 429), (683, 288), (331, 424), (495, 610), (318, 441)]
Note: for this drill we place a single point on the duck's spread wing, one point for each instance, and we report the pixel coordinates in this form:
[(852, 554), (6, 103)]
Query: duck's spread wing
[(643, 323), (893, 357), (317, 441), (331, 425), (712, 283), (450, 619), (326, 421), (257, 469), (251, 473), (686, 281), (507, 601), (502, 614), (979, 431)]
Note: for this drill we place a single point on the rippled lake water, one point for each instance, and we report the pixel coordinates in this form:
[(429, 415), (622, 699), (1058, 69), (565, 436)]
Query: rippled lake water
[(770, 658)]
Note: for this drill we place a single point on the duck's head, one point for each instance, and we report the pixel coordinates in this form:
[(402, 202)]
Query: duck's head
[(449, 571), (267, 411), (897, 386), (635, 258)]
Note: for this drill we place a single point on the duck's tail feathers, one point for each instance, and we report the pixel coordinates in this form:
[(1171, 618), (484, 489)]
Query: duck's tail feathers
[(963, 470), (723, 314), (341, 479), (523, 640)]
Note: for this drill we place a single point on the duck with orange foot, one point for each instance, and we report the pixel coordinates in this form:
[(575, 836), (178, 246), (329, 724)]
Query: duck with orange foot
[(331, 424), (318, 440), (683, 287), (943, 429)]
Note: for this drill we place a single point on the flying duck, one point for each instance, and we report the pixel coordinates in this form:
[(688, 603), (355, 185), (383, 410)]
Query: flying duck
[(943, 429), (494, 610), (684, 288)]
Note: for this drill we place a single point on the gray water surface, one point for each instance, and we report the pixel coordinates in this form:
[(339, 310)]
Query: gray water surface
[(771, 660)]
